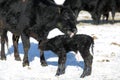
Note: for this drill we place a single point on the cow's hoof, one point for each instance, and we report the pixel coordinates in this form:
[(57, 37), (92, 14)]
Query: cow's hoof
[(17, 58), (3, 58), (44, 64)]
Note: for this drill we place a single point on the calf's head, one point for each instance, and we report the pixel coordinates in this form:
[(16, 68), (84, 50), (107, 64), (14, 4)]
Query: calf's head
[(67, 22)]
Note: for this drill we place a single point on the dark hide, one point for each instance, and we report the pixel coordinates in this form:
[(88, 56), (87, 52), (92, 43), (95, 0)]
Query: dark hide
[(104, 7), (78, 5), (33, 18), (117, 5), (95, 7), (62, 44)]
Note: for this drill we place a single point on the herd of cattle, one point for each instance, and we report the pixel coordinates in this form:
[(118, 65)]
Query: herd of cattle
[(95, 7), (35, 18)]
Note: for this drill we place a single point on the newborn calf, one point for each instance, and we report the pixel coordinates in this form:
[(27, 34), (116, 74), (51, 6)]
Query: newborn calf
[(62, 44)]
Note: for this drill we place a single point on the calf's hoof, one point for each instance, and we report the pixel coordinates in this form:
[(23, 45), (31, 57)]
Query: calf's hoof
[(87, 72), (25, 64), (83, 75), (59, 73)]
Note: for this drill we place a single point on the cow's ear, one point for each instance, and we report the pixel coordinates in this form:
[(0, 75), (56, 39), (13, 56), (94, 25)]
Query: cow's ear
[(64, 9), (60, 8)]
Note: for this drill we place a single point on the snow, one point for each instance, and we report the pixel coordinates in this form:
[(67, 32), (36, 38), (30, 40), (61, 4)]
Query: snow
[(59, 1), (106, 62)]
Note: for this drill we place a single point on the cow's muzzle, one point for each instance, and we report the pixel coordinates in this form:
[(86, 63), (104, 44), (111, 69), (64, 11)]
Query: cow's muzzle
[(71, 34)]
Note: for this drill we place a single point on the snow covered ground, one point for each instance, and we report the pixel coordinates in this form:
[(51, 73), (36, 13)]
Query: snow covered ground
[(106, 62)]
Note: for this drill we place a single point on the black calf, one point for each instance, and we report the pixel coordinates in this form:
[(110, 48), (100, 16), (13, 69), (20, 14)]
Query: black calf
[(62, 45)]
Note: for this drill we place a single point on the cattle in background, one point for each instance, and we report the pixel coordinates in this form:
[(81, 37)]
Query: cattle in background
[(104, 7), (105, 16), (117, 2), (62, 44), (78, 5), (33, 18), (95, 7), (117, 5)]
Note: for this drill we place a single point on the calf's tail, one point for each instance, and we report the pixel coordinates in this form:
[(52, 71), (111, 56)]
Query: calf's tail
[(92, 46)]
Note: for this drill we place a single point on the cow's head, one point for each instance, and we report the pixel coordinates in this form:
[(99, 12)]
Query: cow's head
[(67, 22), (96, 17)]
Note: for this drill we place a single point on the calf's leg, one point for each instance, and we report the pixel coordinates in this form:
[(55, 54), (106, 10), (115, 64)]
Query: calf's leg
[(61, 64), (87, 57)]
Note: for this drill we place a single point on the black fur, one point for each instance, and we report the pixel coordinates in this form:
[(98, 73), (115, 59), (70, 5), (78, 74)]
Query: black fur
[(95, 7), (104, 7), (78, 5), (62, 44), (33, 18)]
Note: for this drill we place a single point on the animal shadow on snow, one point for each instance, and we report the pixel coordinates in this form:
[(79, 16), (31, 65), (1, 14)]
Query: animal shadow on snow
[(34, 52), (101, 22)]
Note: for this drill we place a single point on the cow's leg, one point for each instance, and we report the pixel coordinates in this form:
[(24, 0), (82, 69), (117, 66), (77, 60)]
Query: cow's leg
[(113, 15), (3, 38), (42, 57), (113, 6), (26, 46), (88, 58), (96, 18), (105, 16), (61, 64), (96, 15), (15, 44)]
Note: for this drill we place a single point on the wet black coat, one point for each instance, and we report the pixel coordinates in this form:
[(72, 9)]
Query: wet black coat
[(62, 44)]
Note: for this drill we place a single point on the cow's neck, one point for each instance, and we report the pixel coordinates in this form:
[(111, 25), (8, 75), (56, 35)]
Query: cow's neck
[(24, 1)]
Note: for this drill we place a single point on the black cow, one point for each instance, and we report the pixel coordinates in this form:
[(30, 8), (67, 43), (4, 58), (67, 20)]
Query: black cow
[(95, 7), (33, 18), (117, 5), (16, 38), (62, 44), (78, 5), (104, 7)]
